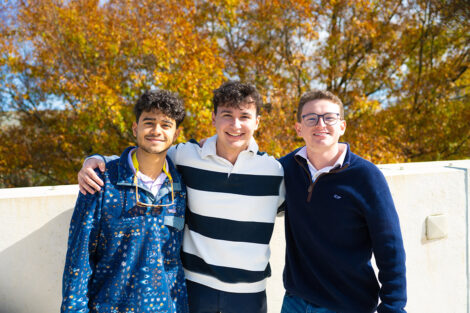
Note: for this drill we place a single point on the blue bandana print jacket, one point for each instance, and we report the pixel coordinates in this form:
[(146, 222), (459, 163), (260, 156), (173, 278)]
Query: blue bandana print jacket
[(122, 257)]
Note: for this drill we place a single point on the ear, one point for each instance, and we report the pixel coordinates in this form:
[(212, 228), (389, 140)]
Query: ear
[(134, 129), (298, 129), (213, 119), (258, 118), (177, 133), (342, 127)]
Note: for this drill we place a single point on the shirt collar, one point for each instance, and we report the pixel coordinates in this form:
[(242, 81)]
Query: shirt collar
[(339, 162), (144, 178), (209, 147)]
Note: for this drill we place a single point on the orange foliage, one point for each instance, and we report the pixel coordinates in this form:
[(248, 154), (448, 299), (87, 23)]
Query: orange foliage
[(400, 68)]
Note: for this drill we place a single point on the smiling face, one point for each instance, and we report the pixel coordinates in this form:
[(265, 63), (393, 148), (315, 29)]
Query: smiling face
[(321, 137), (235, 127), (155, 132)]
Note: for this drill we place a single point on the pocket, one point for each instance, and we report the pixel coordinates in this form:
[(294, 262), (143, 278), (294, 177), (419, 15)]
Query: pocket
[(293, 303), (174, 221), (171, 242)]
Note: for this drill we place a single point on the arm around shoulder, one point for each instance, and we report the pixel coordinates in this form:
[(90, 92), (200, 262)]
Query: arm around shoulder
[(88, 180)]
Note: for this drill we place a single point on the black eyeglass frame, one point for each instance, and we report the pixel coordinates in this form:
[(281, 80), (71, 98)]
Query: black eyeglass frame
[(322, 116)]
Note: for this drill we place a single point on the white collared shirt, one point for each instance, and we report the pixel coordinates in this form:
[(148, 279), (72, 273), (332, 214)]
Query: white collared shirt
[(313, 171), (152, 185), (209, 149)]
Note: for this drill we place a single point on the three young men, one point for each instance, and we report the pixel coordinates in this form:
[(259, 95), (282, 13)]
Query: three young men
[(124, 242), (339, 211)]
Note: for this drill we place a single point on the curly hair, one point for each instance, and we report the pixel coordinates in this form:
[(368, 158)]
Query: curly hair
[(167, 102), (234, 94), (319, 95)]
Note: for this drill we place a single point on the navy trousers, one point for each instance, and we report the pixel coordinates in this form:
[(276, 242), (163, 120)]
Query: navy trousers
[(203, 299)]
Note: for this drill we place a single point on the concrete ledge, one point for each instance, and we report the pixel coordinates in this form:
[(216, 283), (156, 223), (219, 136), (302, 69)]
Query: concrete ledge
[(34, 228), (32, 192), (33, 241)]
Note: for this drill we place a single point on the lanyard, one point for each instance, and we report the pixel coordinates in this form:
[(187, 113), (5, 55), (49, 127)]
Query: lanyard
[(136, 166)]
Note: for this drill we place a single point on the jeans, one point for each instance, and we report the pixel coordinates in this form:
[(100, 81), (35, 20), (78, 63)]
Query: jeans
[(203, 299), (293, 304)]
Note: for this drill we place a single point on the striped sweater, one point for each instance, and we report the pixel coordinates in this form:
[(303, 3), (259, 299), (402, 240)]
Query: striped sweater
[(230, 216)]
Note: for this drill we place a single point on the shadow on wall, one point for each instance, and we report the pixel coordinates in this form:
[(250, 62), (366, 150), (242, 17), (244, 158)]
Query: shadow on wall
[(30, 285)]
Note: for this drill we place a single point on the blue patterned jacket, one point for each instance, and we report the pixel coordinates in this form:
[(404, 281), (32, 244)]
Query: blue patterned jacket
[(122, 257)]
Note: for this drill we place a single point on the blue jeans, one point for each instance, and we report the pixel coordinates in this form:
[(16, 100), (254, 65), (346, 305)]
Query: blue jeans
[(293, 304), (203, 299)]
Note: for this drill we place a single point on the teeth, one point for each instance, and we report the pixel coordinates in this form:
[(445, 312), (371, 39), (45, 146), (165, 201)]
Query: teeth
[(235, 135)]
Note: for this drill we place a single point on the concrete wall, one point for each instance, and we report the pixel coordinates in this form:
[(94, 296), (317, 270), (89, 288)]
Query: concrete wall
[(34, 224)]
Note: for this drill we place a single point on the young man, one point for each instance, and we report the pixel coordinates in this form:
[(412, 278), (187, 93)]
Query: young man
[(339, 211), (234, 192), (124, 243)]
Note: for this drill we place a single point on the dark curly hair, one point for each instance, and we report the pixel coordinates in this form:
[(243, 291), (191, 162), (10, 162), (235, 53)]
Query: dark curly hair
[(167, 102), (235, 93)]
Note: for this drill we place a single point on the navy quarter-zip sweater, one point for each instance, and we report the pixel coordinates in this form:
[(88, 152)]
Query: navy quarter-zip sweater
[(332, 227)]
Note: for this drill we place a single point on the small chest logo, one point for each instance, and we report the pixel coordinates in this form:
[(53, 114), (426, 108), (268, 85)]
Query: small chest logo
[(337, 197)]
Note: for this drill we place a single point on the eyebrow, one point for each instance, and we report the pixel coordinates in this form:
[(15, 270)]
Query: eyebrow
[(313, 113), (231, 111), (148, 119), (154, 119), (226, 111)]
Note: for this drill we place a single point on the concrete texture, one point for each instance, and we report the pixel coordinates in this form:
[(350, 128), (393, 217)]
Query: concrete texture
[(34, 225)]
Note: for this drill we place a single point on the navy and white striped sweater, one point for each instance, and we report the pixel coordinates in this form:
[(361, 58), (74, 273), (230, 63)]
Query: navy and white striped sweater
[(230, 216)]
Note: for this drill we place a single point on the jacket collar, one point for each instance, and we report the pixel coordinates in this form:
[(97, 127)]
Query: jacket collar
[(126, 174)]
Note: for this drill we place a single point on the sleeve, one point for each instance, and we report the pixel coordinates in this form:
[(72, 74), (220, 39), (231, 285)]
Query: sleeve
[(179, 292), (104, 158), (171, 153), (81, 253), (387, 244), (282, 199)]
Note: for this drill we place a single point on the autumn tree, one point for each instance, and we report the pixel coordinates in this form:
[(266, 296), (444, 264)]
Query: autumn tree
[(71, 71), (93, 61)]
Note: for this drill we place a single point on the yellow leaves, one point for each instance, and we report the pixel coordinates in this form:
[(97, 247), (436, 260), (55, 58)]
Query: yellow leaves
[(98, 58)]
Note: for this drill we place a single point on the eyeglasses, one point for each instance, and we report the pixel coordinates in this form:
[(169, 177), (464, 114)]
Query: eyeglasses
[(142, 204), (312, 119)]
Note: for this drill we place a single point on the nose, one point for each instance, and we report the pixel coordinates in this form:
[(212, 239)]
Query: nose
[(236, 122), (320, 122), (156, 130)]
